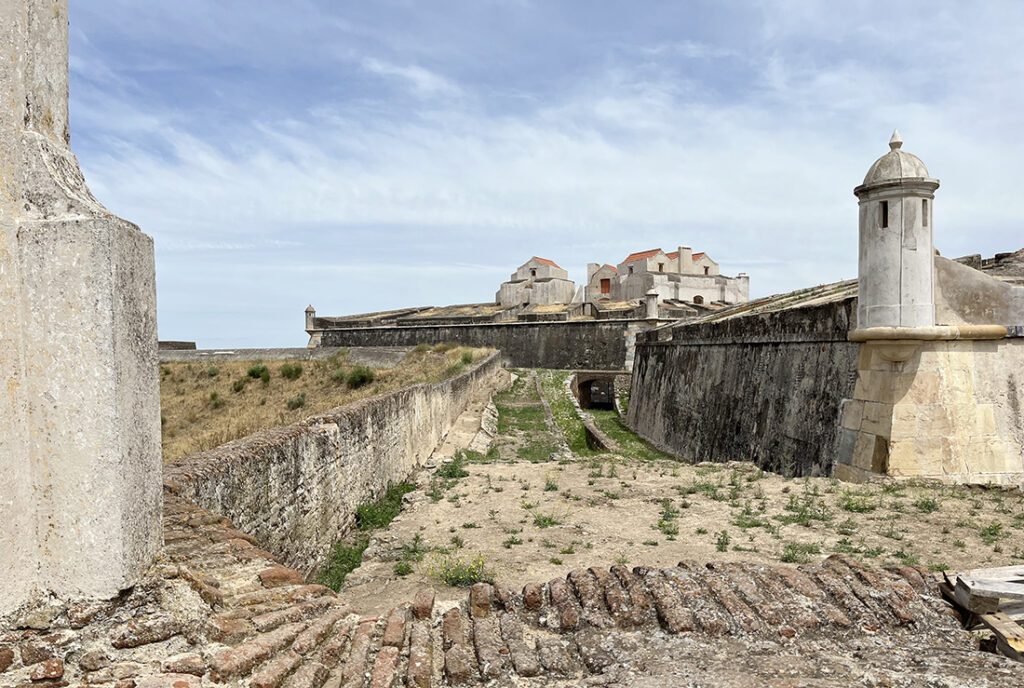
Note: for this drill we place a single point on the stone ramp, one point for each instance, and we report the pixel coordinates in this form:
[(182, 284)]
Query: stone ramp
[(218, 610)]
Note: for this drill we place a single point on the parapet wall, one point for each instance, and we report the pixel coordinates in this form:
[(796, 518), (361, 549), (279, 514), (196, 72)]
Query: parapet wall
[(295, 488), (767, 388), (563, 345)]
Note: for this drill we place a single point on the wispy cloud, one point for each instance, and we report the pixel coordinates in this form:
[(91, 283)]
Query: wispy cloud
[(422, 81), (745, 144)]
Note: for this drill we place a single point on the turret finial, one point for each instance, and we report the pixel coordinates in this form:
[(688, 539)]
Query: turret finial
[(896, 141)]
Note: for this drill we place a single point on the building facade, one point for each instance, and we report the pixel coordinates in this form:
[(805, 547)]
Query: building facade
[(678, 276), (538, 281)]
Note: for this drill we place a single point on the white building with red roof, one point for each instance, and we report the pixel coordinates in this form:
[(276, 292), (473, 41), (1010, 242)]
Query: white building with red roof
[(678, 276), (538, 281)]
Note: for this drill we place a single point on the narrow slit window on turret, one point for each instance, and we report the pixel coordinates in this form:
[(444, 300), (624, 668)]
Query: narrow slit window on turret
[(924, 212), (884, 213)]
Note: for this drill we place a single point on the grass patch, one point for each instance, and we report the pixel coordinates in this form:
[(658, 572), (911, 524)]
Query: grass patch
[(380, 513), (799, 552), (344, 559)]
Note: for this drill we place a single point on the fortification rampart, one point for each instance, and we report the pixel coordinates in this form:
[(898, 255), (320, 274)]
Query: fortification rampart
[(767, 388), (603, 345), (295, 488)]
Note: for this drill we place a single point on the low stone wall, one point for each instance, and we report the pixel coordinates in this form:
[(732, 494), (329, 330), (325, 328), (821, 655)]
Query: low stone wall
[(766, 388), (295, 488), (562, 345)]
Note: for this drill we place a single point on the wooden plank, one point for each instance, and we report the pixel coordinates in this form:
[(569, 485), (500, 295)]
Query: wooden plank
[(1002, 573), (977, 604), (1009, 634), (1014, 610), (993, 588)]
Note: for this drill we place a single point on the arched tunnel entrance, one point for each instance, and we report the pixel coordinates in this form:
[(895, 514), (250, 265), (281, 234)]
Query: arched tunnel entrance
[(595, 389)]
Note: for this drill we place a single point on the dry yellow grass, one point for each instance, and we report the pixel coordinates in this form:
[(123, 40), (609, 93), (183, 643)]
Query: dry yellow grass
[(204, 405)]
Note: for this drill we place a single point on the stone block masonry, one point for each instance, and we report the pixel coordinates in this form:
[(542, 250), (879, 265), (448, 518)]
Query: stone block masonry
[(295, 488), (765, 388), (80, 447)]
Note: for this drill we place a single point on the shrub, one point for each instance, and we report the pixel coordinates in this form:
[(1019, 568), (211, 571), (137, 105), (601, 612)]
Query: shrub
[(297, 402), (402, 568), (467, 357), (722, 541), (545, 520), (421, 348), (256, 371), (212, 371), (458, 572), (291, 371), (239, 384), (265, 377), (359, 376), (443, 347), (339, 376), (927, 504), (215, 400), (992, 532)]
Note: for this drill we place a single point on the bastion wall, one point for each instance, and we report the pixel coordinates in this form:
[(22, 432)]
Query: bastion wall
[(767, 388), (587, 344), (295, 488)]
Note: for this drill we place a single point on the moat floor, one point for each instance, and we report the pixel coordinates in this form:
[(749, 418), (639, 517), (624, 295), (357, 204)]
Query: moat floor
[(534, 508)]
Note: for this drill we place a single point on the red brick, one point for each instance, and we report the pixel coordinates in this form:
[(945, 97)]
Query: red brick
[(6, 658), (385, 668), (48, 669), (169, 681), (394, 628), (144, 631), (480, 600), (276, 576), (423, 605), (533, 596)]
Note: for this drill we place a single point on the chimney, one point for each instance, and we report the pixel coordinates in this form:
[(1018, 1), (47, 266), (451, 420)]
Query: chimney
[(685, 260), (591, 269)]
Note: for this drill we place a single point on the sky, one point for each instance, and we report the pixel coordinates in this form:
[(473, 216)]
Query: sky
[(362, 156)]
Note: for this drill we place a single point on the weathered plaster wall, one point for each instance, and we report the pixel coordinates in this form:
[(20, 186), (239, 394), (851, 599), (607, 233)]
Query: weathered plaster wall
[(767, 388), (296, 488), (565, 345)]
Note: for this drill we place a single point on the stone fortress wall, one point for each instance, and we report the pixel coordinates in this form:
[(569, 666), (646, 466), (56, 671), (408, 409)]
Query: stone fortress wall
[(712, 390), (295, 488), (602, 344)]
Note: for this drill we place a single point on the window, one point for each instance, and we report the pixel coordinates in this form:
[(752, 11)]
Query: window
[(606, 286), (924, 212), (698, 298), (631, 269), (533, 273), (706, 269), (884, 214), (661, 267)]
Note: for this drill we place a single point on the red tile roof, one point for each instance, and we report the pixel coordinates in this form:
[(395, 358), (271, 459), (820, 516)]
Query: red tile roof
[(696, 256), (673, 255), (545, 261), (611, 267), (642, 254)]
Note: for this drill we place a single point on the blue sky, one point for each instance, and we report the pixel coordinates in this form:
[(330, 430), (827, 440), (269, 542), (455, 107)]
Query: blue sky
[(361, 156)]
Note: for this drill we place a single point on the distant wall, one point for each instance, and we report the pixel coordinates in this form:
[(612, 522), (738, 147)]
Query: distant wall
[(373, 356), (565, 345), (296, 488), (767, 388)]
